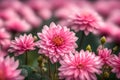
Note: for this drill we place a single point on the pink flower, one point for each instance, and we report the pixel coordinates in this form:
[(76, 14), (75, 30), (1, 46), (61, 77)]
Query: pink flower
[(56, 41), (22, 44), (29, 15), (3, 53), (18, 25), (116, 65), (86, 20), (4, 38), (12, 14), (110, 30), (106, 7), (105, 55), (115, 17), (1, 23), (8, 69), (80, 66)]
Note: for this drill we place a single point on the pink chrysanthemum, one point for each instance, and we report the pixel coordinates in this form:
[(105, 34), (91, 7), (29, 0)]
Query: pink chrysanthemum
[(105, 55), (86, 20), (8, 69), (56, 41), (116, 65), (22, 44), (80, 66)]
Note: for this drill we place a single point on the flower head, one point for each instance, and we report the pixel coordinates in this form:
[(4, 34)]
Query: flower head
[(86, 20), (56, 41), (80, 66), (116, 65), (8, 69), (105, 55), (22, 44)]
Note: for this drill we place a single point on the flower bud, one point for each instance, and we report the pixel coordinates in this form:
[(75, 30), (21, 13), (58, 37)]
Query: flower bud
[(89, 48), (103, 40)]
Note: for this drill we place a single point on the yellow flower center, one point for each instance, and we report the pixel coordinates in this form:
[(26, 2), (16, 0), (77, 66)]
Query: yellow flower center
[(58, 40)]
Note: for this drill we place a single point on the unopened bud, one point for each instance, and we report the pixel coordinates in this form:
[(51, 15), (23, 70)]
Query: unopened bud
[(89, 48), (35, 38), (103, 40), (115, 48), (106, 74)]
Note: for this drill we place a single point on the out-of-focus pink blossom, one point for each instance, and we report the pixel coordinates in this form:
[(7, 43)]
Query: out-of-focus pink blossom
[(1, 23), (8, 14), (8, 69), (45, 14), (22, 44), (4, 39), (80, 66), (56, 41), (109, 30), (66, 11), (86, 20), (42, 8), (29, 15), (3, 53), (17, 25), (115, 17), (106, 7)]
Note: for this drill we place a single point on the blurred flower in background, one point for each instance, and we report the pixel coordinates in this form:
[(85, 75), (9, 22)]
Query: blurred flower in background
[(21, 20)]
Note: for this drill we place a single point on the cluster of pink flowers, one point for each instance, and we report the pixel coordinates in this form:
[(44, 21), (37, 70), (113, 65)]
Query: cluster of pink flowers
[(59, 42)]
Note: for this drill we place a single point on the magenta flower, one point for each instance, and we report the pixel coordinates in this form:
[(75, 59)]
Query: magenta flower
[(105, 55), (80, 66), (22, 44), (56, 41), (116, 65), (8, 69), (86, 20)]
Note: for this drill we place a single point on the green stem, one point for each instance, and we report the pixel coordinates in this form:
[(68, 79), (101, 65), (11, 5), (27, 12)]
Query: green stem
[(49, 69), (55, 73), (81, 40), (26, 58)]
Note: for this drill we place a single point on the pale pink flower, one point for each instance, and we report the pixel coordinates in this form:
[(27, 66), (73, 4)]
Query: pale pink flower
[(105, 7), (17, 25), (42, 8), (116, 65), (12, 14), (29, 15), (4, 39), (8, 69), (105, 55), (115, 17), (109, 30), (86, 20), (22, 44), (1, 23), (56, 41), (3, 53), (66, 10), (80, 66), (45, 13)]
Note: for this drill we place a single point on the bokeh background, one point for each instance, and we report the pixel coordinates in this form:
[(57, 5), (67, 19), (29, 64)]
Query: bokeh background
[(29, 16)]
